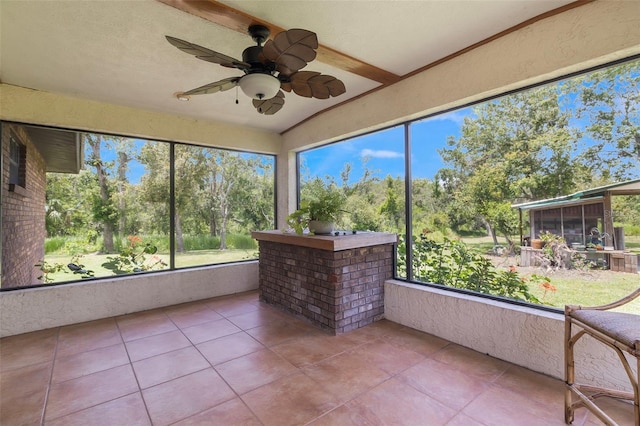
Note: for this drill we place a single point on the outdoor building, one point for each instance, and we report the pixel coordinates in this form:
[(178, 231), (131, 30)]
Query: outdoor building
[(90, 84), (584, 220)]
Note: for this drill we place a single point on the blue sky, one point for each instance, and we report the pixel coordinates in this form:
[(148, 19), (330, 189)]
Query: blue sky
[(383, 152)]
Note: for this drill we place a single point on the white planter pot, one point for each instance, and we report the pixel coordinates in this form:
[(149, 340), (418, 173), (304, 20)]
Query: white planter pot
[(319, 227)]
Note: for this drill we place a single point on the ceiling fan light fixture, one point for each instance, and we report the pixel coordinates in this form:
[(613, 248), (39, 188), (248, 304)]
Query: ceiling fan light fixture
[(260, 86), (182, 97)]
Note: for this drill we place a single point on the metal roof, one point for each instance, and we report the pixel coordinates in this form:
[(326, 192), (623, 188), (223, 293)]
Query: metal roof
[(630, 187)]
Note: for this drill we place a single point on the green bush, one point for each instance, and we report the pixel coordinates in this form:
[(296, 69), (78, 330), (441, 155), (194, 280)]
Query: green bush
[(453, 264), (632, 230), (54, 244), (200, 242), (241, 242)]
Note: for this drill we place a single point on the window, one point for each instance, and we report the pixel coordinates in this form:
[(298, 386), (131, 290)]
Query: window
[(470, 165), (17, 162), (141, 206)]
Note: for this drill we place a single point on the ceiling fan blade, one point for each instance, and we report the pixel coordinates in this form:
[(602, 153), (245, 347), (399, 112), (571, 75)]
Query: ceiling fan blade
[(311, 84), (291, 50), (217, 86), (270, 106), (206, 54)]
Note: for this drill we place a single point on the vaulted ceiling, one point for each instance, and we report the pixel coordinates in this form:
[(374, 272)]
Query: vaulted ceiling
[(116, 51)]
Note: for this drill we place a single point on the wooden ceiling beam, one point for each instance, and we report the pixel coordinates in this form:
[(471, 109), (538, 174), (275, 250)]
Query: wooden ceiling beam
[(234, 19)]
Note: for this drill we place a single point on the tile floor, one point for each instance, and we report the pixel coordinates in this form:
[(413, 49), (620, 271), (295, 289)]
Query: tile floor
[(236, 361)]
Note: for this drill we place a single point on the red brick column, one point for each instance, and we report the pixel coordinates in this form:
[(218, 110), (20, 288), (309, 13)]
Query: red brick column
[(336, 290)]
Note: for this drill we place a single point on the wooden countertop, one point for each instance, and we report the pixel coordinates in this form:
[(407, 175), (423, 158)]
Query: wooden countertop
[(327, 242)]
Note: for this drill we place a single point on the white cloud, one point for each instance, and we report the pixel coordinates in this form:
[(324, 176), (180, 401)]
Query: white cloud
[(455, 116), (380, 154)]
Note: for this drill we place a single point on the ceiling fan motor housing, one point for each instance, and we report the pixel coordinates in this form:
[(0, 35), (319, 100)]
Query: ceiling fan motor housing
[(251, 55)]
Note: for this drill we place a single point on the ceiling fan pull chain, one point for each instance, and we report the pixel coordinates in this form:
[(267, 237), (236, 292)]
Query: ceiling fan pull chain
[(237, 96)]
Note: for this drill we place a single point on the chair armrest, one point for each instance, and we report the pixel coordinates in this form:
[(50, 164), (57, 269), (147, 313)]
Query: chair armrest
[(628, 298)]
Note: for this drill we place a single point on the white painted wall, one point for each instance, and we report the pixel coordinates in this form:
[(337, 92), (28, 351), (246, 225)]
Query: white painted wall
[(528, 337), (52, 109), (22, 311)]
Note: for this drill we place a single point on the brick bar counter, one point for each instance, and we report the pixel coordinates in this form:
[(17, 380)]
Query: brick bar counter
[(336, 282)]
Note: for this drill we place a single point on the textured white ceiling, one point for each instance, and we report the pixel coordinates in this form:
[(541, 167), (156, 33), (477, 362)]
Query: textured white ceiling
[(115, 51)]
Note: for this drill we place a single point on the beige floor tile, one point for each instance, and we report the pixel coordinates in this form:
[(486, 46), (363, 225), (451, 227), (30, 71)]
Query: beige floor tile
[(256, 318), (25, 380), (299, 400), (191, 314), (387, 357), (128, 410), (343, 416), (156, 345), (84, 392), (499, 406), (22, 394), (541, 388), (229, 347), (26, 409), (150, 323), (620, 411), (417, 341), (279, 332), (254, 370), (169, 366), (233, 306), (85, 363), (444, 383), (395, 403), (87, 336), (471, 362), (27, 349), (210, 330), (313, 347), (233, 412), (346, 375), (186, 396)]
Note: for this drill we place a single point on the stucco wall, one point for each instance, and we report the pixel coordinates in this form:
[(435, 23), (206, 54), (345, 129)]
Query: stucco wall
[(51, 109), (524, 336), (22, 311)]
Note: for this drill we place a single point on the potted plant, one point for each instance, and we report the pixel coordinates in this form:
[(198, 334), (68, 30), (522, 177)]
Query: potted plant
[(320, 211)]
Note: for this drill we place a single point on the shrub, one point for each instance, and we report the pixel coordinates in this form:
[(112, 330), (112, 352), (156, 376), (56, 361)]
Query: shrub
[(200, 242), (241, 242), (453, 264), (54, 244)]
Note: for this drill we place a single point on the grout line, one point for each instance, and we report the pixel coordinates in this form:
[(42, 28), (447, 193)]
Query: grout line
[(53, 363)]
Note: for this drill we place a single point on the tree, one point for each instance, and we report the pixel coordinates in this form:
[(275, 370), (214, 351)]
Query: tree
[(104, 210), (393, 205), (517, 147), (609, 101)]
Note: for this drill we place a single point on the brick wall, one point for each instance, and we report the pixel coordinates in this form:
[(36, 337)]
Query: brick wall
[(23, 225), (337, 291)]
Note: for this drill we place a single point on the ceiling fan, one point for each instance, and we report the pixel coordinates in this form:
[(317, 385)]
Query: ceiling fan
[(268, 68)]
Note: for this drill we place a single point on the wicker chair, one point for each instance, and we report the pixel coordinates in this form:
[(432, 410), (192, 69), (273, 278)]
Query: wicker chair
[(621, 332)]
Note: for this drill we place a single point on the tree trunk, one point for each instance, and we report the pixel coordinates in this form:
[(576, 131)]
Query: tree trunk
[(490, 231), (179, 238), (123, 161), (107, 225)]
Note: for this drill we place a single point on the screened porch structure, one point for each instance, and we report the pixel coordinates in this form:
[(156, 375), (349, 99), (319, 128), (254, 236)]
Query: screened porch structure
[(580, 218)]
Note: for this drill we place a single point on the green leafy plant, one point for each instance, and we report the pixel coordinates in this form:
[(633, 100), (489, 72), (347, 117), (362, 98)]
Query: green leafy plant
[(133, 258), (48, 269), (74, 266), (453, 264), (325, 203)]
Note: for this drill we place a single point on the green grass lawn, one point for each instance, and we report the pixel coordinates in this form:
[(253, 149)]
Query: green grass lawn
[(587, 288), (94, 261)]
